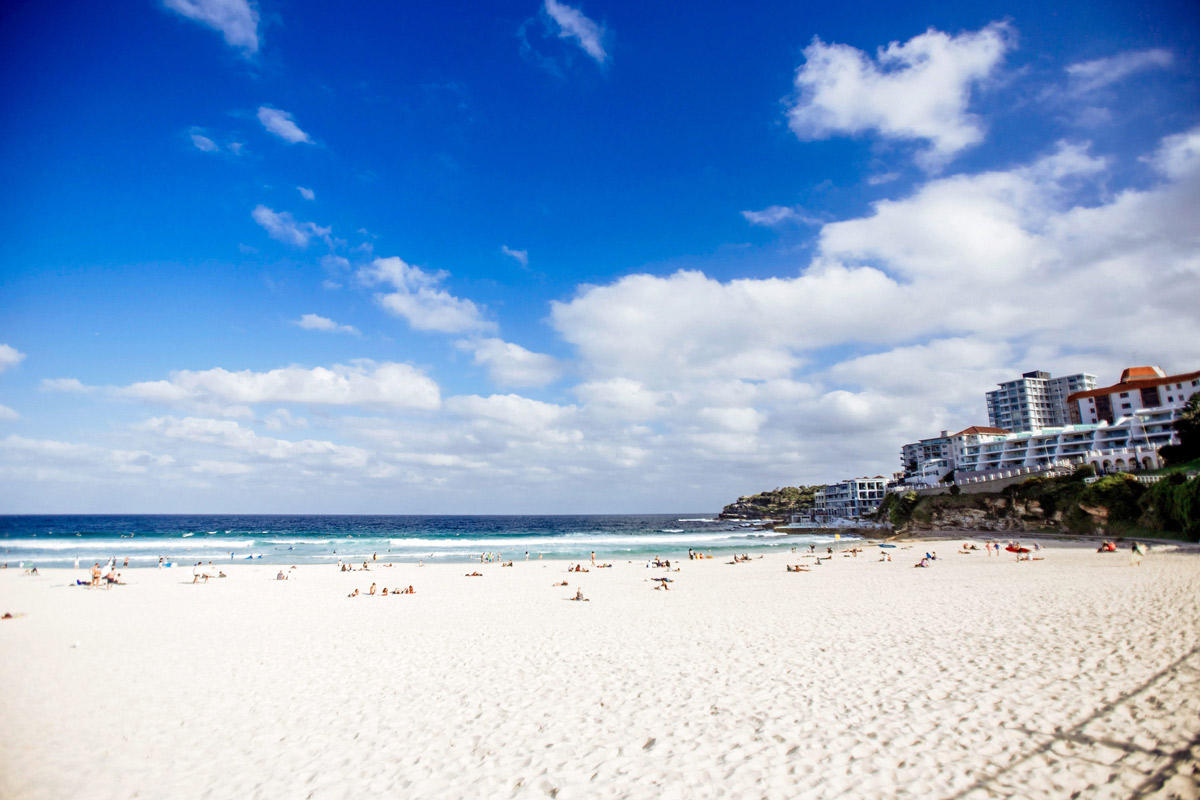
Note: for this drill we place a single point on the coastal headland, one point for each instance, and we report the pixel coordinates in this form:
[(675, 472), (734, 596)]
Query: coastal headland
[(1071, 674)]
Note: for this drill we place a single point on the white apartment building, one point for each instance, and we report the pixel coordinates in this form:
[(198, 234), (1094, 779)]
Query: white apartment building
[(1035, 400), (856, 497), (1128, 444), (926, 462), (1140, 389)]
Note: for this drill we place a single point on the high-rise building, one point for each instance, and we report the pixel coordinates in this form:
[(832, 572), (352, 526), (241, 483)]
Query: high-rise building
[(1035, 400)]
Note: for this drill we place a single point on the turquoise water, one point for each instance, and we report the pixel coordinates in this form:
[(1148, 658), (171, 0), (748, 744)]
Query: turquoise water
[(56, 541)]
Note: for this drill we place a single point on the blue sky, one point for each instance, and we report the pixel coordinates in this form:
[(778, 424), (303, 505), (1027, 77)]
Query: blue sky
[(567, 257)]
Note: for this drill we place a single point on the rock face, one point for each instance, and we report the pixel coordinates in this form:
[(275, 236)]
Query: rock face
[(986, 513)]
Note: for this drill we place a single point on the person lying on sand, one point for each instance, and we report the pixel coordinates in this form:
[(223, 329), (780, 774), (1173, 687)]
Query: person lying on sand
[(798, 568), (474, 575), (663, 586), (924, 562), (353, 594), (564, 583), (604, 566)]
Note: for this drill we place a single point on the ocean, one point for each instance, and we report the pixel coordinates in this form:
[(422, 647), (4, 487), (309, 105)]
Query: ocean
[(56, 541)]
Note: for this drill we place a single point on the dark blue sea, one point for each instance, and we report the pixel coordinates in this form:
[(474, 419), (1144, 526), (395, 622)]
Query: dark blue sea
[(56, 541)]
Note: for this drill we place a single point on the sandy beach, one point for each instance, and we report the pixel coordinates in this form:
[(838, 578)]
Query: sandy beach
[(1076, 675)]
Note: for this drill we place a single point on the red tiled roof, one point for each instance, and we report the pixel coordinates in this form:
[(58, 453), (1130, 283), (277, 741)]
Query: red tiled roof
[(1135, 383), (1141, 374), (974, 429)]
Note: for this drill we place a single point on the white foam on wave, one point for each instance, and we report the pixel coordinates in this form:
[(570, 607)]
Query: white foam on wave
[(124, 544), (698, 519)]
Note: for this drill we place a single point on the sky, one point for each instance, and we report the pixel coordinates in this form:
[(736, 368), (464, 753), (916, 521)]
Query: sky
[(551, 257)]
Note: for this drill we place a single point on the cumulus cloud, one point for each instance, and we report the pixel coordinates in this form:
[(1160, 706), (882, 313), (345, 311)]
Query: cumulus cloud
[(570, 23), (417, 297), (237, 20), (10, 357), (520, 256), (1089, 76), (307, 194), (314, 322), (918, 90), (283, 226), (7, 414), (510, 364), (281, 124), (905, 316)]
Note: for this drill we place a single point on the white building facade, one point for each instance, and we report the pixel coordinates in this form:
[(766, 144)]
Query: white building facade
[(1141, 389), (1035, 400), (856, 497)]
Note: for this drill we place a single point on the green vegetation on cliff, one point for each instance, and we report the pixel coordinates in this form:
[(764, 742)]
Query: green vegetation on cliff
[(775, 503), (1117, 505)]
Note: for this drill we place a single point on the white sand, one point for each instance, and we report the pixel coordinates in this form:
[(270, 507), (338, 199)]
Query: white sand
[(979, 677)]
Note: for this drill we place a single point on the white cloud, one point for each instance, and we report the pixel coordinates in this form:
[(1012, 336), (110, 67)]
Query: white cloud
[(283, 226), (625, 399), (280, 123), (230, 435), (418, 299), (204, 143), (918, 90), (7, 414), (10, 357), (520, 256), (572, 24), (778, 215), (313, 322), (365, 383), (510, 364), (307, 194), (1088, 76), (237, 20)]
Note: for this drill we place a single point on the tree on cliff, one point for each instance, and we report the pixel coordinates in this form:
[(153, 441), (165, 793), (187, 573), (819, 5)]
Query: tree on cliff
[(1187, 426)]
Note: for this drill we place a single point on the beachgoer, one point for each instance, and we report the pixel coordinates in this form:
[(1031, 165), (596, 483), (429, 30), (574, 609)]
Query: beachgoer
[(353, 594), (197, 571), (96, 574), (372, 589), (384, 592), (579, 595), (126, 561), (280, 576)]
